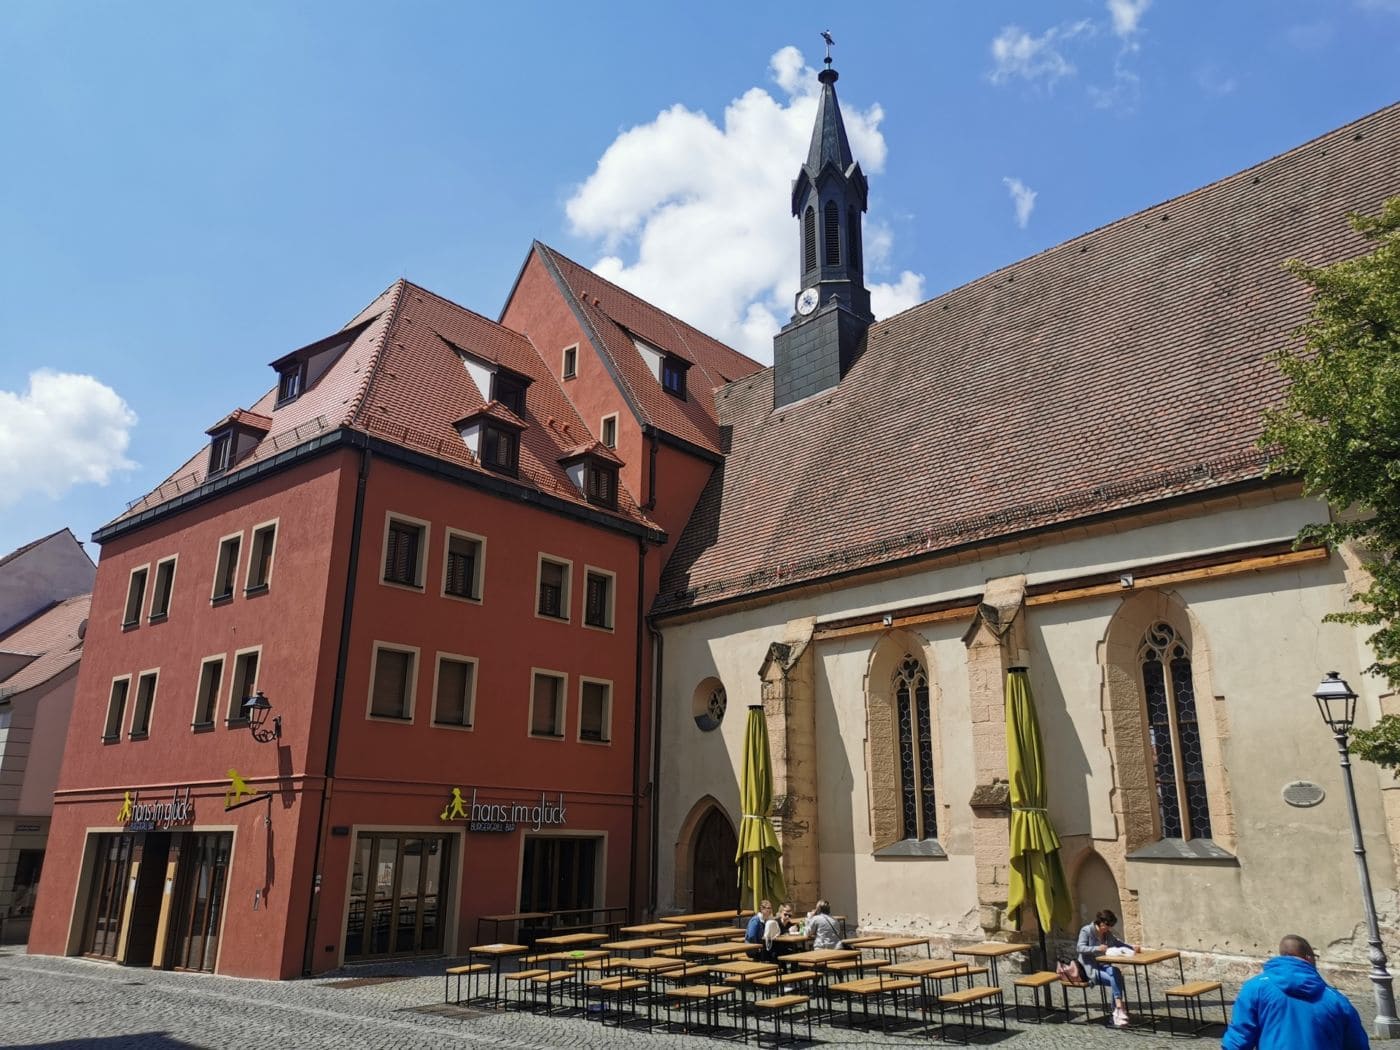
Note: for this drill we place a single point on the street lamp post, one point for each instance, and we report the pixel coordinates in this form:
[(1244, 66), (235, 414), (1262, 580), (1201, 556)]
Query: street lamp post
[(1337, 703)]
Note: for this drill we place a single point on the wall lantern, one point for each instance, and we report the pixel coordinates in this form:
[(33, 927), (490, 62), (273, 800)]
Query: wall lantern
[(255, 709)]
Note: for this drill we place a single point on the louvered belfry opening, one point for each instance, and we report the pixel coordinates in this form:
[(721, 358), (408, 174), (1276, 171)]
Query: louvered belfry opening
[(809, 240), (832, 222)]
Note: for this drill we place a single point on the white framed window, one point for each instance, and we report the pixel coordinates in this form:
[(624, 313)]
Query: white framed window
[(116, 708), (569, 368), (599, 598), (206, 697), (552, 588), (595, 710), (163, 589), (135, 595), (260, 552), (405, 551), (226, 567), (145, 703), (608, 431), (454, 691), (463, 565), (393, 678), (547, 692), (245, 682)]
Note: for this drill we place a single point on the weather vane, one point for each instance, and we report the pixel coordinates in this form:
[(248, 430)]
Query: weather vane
[(826, 35)]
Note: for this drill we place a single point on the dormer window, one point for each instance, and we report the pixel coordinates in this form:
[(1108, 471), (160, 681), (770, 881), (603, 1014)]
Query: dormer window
[(289, 382), (600, 484), (500, 449), (673, 377), (221, 452), (509, 390)]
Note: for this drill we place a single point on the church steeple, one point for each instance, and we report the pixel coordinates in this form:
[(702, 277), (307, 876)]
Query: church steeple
[(832, 305)]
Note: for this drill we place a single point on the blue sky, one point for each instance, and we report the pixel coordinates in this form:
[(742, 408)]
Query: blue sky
[(192, 190)]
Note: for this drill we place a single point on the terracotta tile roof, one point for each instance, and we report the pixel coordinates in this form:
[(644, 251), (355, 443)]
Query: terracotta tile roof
[(243, 418), (52, 637), (594, 449), (613, 312), (1123, 367), (493, 410), (402, 379)]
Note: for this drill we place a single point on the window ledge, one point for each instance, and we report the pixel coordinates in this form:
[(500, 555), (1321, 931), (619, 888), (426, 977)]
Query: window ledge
[(108, 739), (130, 625), (236, 723), (1194, 851), (557, 617), (201, 727), (605, 740), (140, 736), (221, 599), (474, 599), (927, 848), (158, 617), (547, 736), (606, 628), (452, 725), (249, 592), (390, 718), (403, 585)]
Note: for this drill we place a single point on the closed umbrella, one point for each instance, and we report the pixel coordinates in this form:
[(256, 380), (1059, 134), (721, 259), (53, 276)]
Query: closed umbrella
[(1037, 876), (760, 873)]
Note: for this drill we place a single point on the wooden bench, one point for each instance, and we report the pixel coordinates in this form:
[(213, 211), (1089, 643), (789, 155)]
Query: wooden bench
[(1035, 982), (1084, 987), (707, 996), (786, 980), (465, 970), (518, 978), (547, 981), (964, 999), (876, 987), (779, 1007), (623, 987), (1192, 995)]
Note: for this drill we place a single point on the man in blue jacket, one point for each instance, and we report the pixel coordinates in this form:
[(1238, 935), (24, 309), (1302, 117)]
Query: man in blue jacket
[(1290, 1007)]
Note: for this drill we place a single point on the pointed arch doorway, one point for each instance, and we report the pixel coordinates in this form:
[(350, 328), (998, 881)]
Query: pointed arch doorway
[(714, 878)]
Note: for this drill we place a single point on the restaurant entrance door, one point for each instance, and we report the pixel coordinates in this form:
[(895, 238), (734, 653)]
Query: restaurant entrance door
[(102, 924), (397, 891), (201, 874), (559, 873)]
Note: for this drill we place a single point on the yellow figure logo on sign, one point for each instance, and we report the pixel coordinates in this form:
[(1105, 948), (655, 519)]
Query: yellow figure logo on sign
[(124, 814), (237, 788), (454, 810)]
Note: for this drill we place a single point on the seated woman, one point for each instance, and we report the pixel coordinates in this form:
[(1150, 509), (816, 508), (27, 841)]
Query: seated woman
[(1095, 939), (774, 928), (825, 931)]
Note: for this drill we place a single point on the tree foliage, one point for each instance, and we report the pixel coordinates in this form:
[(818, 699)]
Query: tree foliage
[(1339, 430)]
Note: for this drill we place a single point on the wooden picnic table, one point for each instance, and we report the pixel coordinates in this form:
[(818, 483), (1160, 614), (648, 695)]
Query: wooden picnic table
[(639, 944), (744, 971), (495, 952), (650, 928), (722, 950), (699, 917), (793, 938), (891, 945), (991, 951), (1141, 963), (577, 955), (519, 916), (567, 940), (715, 933), (821, 956)]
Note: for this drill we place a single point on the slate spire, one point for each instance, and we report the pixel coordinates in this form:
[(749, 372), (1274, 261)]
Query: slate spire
[(832, 304)]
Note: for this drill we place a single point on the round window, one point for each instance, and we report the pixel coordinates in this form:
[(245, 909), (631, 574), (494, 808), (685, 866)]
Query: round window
[(709, 704)]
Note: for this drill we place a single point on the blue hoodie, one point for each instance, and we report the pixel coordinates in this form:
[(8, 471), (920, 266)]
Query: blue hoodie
[(1290, 1007)]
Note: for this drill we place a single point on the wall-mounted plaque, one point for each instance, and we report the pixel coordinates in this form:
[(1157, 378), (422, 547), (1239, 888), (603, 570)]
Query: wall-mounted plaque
[(1303, 793)]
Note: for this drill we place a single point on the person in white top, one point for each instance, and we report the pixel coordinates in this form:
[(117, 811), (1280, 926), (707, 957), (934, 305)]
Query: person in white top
[(825, 931)]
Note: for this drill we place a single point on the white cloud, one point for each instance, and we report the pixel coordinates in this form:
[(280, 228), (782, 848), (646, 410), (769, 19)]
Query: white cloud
[(1126, 14), (693, 215), (1023, 197), (1213, 82), (65, 430), (1016, 53)]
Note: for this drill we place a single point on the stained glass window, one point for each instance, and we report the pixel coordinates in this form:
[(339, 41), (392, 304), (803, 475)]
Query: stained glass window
[(918, 813), (1174, 735)]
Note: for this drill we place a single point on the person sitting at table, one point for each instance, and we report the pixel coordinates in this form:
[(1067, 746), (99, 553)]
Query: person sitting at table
[(825, 931), (1095, 939), (774, 928), (753, 933)]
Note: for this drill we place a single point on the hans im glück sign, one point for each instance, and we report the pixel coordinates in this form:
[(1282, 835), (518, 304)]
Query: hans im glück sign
[(505, 816)]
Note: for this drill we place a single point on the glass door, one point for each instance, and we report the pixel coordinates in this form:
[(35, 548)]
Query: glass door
[(199, 903), (107, 900), (558, 874), (396, 888)]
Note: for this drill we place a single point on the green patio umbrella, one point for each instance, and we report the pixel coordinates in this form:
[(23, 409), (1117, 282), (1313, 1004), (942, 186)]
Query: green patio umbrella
[(760, 873), (1037, 876)]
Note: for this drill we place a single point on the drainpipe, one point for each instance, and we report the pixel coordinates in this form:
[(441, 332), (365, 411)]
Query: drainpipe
[(337, 703), (650, 504), (636, 730), (658, 653)]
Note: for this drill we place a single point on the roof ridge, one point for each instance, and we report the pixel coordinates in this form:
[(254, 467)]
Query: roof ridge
[(1124, 219), (353, 412), (26, 547)]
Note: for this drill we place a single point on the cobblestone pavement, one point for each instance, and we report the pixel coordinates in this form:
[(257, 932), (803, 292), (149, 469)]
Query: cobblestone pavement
[(55, 1002)]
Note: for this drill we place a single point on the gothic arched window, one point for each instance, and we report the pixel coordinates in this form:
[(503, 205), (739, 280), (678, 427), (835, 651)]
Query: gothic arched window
[(1178, 766), (832, 221), (918, 815), (853, 236), (809, 240)]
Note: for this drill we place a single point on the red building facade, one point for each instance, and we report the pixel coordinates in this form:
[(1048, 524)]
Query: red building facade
[(431, 566)]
